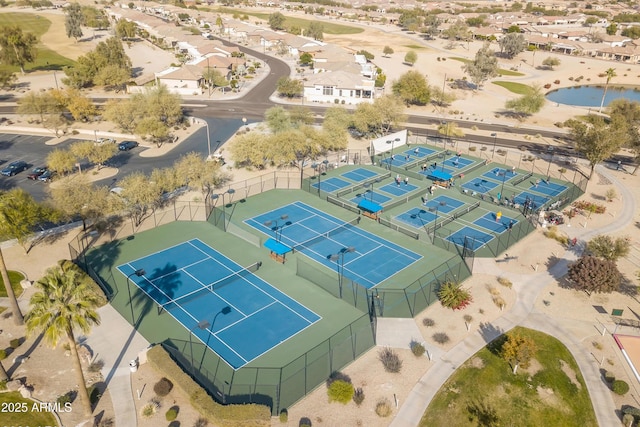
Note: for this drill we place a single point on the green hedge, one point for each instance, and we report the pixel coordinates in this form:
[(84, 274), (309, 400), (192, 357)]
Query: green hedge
[(66, 265), (249, 415)]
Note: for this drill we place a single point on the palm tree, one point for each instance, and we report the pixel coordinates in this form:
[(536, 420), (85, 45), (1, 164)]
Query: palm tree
[(62, 304), (15, 308), (610, 73)]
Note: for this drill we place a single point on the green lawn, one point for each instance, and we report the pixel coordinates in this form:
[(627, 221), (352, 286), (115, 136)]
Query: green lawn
[(21, 413), (46, 58), (518, 88), (484, 391), (329, 27), (415, 46), (15, 278)]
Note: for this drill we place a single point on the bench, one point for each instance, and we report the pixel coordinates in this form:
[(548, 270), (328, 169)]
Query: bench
[(278, 258), (371, 215)]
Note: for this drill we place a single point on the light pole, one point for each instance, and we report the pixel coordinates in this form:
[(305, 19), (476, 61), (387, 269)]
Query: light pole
[(339, 259), (370, 184), (244, 122), (504, 176), (446, 132), (202, 325), (435, 224), (320, 166), (140, 272), (549, 167), (230, 191), (225, 310), (495, 137), (208, 138), (391, 141), (275, 228)]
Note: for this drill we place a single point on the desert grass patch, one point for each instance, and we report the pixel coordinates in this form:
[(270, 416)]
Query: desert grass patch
[(517, 88)]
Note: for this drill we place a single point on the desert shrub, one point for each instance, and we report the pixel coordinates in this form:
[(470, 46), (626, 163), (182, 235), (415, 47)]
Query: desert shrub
[(553, 233), (390, 360), (3, 354), (590, 207), (15, 343), (149, 410), (454, 296), (468, 318), (201, 422), (472, 148), (163, 387), (611, 194), (106, 422), (609, 377), (631, 410), (304, 422), (68, 397), (383, 408), (171, 414), (627, 419), (284, 416), (340, 391), (358, 396), (94, 394), (620, 387), (505, 282), (337, 375), (428, 322), (499, 301), (96, 366), (417, 348), (440, 338)]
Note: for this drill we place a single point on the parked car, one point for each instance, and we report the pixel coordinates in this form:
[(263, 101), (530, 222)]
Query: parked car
[(127, 145), (36, 172), (46, 176), (14, 168)]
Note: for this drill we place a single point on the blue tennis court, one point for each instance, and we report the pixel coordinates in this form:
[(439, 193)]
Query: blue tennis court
[(360, 174), (319, 235), (398, 190), (444, 204), (548, 188), (455, 162), (438, 167), (194, 283), (489, 222), (331, 184), (480, 185), (374, 197), (475, 238), (535, 200), (417, 217), (499, 174)]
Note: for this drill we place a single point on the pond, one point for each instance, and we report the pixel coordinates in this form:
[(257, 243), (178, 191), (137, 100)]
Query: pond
[(591, 96)]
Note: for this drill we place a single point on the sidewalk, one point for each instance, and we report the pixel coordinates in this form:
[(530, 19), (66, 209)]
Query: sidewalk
[(527, 288)]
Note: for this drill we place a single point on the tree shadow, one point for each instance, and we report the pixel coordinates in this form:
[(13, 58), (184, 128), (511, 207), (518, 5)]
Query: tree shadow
[(598, 197), (483, 413), (24, 355), (489, 332), (628, 288)]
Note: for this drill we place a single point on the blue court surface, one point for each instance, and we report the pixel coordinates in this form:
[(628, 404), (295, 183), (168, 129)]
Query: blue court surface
[(489, 222), (444, 204), (374, 197), (407, 156), (398, 190), (330, 185), (480, 185), (550, 189), (246, 315), (319, 235), (438, 167), (475, 238), (417, 217), (455, 162), (536, 200), (500, 174), (360, 174)]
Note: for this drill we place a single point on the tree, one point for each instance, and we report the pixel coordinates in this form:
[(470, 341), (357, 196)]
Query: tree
[(277, 119), (20, 214), (139, 197), (63, 305), (632, 32), (288, 87), (16, 47), (40, 104), (214, 78), (512, 44), (126, 30), (518, 350), (195, 171), (306, 58), (459, 30), (592, 274), (529, 103), (315, 31), (123, 113), (598, 140), (612, 29), (300, 116), (590, 21), (450, 129), (113, 76), (411, 57), (61, 161), (514, 29), (73, 21), (412, 88), (388, 50), (483, 67), (551, 62), (107, 54), (250, 149), (276, 21), (7, 79), (609, 248), (609, 73), (367, 55), (379, 117), (80, 198), (80, 106)]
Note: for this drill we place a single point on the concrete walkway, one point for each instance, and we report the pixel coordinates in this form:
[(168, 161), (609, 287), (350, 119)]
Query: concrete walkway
[(527, 288), (116, 343)]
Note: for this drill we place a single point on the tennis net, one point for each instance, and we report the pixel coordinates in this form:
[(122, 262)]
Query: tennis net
[(190, 296), (326, 235)]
